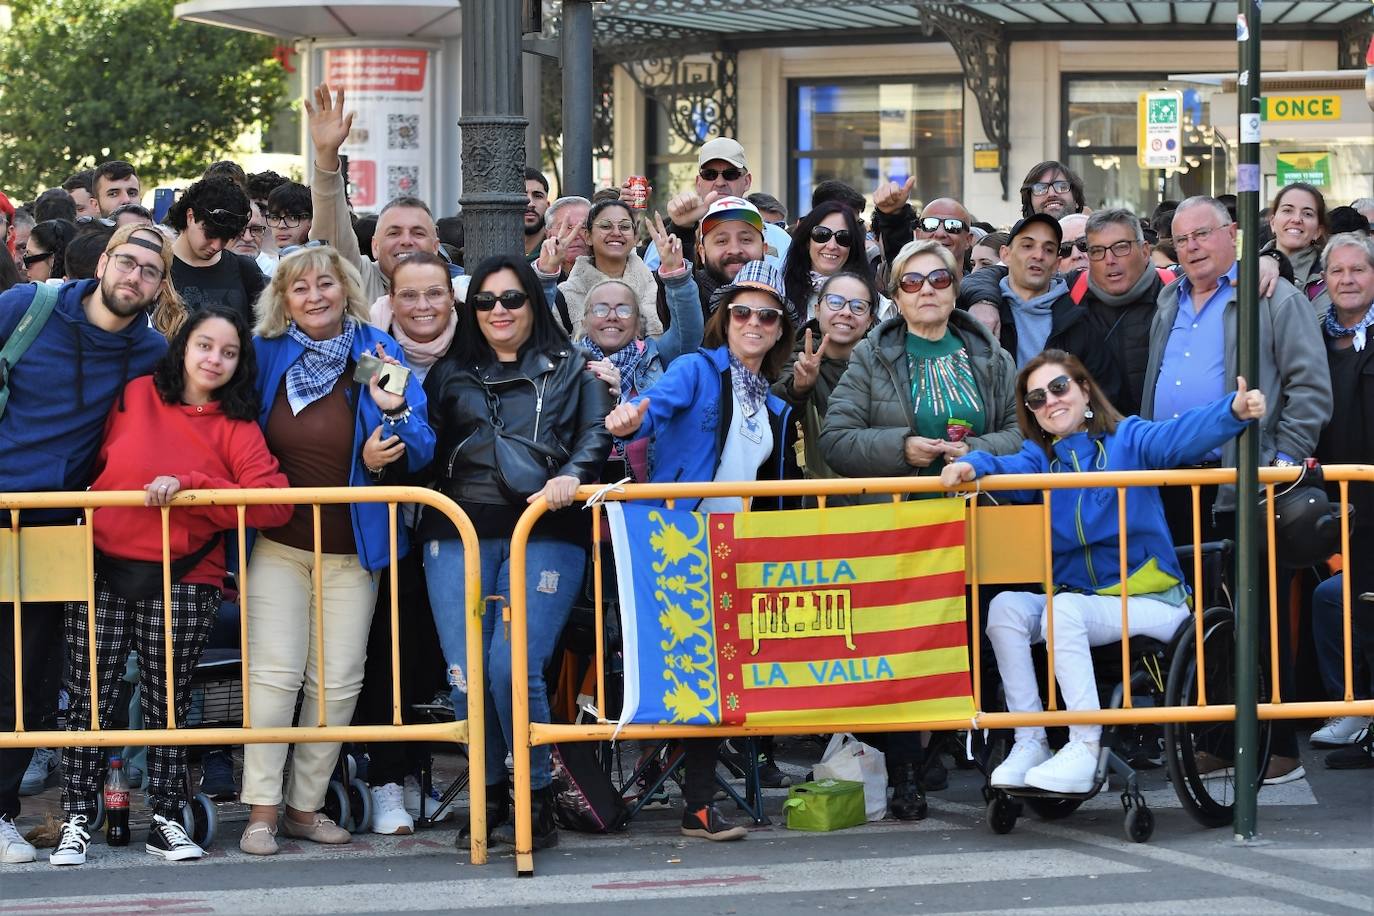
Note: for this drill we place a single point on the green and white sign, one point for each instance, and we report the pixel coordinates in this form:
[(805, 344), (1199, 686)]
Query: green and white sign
[(1311, 168), (1160, 134)]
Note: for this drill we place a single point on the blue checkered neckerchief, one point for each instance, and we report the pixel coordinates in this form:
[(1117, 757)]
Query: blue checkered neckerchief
[(751, 389), (313, 374), (1334, 329)]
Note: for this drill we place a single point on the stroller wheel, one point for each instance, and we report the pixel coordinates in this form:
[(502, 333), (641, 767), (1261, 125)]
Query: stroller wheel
[(336, 806), (359, 807), (200, 818)]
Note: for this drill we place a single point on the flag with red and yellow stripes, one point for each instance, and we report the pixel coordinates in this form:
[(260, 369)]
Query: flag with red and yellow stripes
[(850, 615)]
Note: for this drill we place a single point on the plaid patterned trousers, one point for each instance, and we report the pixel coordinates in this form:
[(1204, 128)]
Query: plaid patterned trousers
[(121, 625)]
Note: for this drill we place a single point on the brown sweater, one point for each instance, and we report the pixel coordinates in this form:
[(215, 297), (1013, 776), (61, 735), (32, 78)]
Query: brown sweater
[(315, 449)]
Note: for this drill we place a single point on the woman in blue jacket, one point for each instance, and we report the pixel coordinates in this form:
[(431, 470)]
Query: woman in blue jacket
[(326, 430), (712, 417), (1070, 426)]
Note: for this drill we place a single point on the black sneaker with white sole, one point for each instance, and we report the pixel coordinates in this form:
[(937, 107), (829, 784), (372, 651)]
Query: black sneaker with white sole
[(168, 839), (706, 822), (71, 844)]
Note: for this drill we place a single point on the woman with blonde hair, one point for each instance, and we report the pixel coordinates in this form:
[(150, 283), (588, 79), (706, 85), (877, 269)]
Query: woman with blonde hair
[(326, 430)]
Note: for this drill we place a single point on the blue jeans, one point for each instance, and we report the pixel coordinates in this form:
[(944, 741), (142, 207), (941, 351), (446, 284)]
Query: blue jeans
[(554, 571), (1328, 634)]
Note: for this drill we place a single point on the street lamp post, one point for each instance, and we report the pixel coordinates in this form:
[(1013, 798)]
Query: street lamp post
[(577, 97), (493, 130)]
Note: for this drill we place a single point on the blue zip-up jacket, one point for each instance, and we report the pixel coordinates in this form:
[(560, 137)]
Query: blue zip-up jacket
[(1084, 520), (689, 416), (275, 356), (62, 389)]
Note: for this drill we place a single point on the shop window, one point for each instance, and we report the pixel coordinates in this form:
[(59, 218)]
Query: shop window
[(1100, 144)]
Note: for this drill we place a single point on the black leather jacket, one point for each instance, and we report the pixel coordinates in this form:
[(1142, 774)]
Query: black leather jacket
[(548, 397)]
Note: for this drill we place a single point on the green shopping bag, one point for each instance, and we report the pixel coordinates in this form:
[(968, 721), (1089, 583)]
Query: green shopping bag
[(831, 804)]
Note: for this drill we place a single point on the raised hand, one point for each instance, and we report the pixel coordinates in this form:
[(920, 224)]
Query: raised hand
[(807, 368), (669, 246), (1247, 404), (329, 126), (687, 208), (890, 197), (625, 419), (554, 249)]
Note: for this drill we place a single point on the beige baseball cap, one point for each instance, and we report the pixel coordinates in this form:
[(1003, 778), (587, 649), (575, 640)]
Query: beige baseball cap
[(723, 148)]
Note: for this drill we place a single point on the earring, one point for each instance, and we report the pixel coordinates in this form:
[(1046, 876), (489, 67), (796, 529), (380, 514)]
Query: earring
[(1088, 414)]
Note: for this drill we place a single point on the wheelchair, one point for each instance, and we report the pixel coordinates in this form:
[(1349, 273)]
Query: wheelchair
[(1198, 755)]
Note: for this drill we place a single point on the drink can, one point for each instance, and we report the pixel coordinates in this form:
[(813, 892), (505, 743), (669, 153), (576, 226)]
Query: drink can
[(638, 196)]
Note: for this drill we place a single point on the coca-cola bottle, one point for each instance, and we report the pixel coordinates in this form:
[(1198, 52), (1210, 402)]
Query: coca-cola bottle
[(116, 804)]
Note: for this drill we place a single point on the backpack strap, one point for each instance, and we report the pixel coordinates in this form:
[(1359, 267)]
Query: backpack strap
[(25, 333)]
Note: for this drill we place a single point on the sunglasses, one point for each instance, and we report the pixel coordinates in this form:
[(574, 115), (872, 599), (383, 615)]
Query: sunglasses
[(938, 279), (225, 217), (1068, 248), (730, 174), (510, 300), (767, 317), (604, 309), (934, 224), (1036, 399), (822, 234), (835, 302), (32, 259)]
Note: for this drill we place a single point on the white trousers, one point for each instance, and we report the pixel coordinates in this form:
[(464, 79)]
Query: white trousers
[(1016, 620)]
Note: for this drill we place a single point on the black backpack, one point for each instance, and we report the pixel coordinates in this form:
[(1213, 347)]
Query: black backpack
[(585, 799)]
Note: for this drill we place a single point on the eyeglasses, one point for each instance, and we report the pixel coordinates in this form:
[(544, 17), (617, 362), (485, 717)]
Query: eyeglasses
[(283, 221), (1059, 185), (256, 232), (435, 295), (938, 279), (1118, 250), (1036, 399), (1197, 235), (767, 317), (510, 300), (604, 225), (125, 264), (604, 309), (835, 302), (32, 259), (1068, 248), (730, 174), (933, 224), (822, 234)]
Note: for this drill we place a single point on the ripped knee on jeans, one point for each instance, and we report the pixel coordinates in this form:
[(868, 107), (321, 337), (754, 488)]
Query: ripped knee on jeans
[(456, 678), (548, 582)]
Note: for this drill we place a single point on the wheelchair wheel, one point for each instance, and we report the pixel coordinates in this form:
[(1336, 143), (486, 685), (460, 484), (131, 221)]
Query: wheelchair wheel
[(1200, 754), (1140, 824), (1053, 809), (200, 819), (1002, 813), (359, 806), (336, 806)]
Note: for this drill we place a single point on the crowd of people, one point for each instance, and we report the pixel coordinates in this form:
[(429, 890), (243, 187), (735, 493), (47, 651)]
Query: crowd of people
[(260, 334)]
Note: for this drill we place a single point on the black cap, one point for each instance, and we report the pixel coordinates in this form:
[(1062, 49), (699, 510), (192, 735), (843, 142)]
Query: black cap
[(1045, 218)]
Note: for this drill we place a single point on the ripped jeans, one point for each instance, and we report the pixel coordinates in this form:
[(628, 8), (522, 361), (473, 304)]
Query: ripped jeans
[(554, 578)]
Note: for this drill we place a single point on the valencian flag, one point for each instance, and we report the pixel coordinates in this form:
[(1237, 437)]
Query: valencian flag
[(844, 615)]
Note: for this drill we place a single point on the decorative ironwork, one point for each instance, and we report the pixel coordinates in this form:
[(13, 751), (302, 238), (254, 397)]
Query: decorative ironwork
[(1356, 34), (699, 96)]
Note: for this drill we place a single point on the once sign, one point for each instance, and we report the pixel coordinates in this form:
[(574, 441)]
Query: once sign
[(1302, 108)]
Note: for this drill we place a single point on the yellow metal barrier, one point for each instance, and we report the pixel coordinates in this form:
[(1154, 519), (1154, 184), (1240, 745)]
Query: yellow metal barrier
[(1005, 545), (57, 564)]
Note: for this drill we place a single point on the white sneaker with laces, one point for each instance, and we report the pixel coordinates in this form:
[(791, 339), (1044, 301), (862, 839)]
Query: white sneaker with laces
[(389, 815), (1071, 771), (414, 797), (168, 839), (1341, 731), (14, 849), (71, 845), (1025, 754)]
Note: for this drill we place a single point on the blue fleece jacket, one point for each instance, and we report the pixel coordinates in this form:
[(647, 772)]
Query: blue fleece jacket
[(685, 420), (275, 356), (63, 387), (1084, 520)]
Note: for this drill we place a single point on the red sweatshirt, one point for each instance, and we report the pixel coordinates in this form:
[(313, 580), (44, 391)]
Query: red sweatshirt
[(203, 449)]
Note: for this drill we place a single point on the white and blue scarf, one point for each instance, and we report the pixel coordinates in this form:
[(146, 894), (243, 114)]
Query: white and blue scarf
[(751, 389), (314, 373), (1334, 328)]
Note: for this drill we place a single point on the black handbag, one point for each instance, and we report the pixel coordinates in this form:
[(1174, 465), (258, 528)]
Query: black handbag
[(523, 465), (140, 580)]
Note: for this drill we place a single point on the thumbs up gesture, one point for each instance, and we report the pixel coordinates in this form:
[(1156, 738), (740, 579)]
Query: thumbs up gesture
[(890, 197), (625, 419), (1247, 404)]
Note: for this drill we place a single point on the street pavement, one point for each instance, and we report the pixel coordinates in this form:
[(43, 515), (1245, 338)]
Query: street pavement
[(1315, 855)]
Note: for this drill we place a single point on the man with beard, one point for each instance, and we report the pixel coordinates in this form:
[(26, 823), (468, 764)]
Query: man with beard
[(536, 203), (732, 235), (96, 339), (1051, 187)]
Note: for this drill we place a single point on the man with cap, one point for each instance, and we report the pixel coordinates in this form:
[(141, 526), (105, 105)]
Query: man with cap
[(732, 235), (1034, 310), (98, 334), (722, 171)]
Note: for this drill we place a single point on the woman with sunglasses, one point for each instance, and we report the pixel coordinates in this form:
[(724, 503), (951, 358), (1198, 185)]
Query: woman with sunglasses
[(46, 257), (612, 231), (712, 418), (518, 418), (826, 241), (1070, 426)]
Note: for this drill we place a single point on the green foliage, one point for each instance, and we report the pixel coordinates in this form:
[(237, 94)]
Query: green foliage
[(83, 81)]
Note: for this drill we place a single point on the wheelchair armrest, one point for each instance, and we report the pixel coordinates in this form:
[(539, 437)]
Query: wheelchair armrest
[(1220, 549)]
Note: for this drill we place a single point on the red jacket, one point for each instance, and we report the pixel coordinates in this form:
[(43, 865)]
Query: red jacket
[(203, 449)]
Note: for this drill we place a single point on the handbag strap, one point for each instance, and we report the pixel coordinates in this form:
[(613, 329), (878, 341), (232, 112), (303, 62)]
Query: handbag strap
[(182, 566)]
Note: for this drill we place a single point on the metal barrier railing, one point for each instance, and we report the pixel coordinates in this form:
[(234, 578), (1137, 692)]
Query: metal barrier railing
[(986, 565), (46, 564)]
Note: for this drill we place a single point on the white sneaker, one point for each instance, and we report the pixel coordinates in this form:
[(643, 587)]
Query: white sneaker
[(1071, 771), (1025, 754), (168, 839), (389, 815), (42, 771), (14, 849), (414, 798), (71, 846), (1341, 731)]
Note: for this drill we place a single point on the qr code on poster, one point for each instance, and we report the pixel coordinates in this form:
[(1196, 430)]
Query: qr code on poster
[(402, 180), (402, 131)]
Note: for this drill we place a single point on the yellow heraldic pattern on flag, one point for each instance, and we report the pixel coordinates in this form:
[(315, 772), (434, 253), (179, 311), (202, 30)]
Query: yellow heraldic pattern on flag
[(853, 614)]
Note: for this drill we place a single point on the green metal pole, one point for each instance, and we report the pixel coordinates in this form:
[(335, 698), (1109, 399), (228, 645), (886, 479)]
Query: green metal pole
[(1248, 182)]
